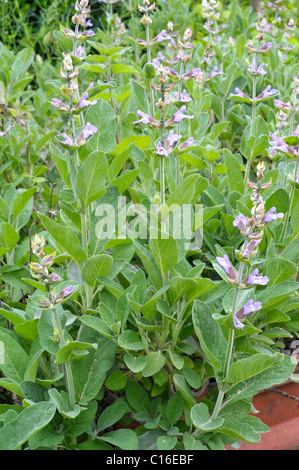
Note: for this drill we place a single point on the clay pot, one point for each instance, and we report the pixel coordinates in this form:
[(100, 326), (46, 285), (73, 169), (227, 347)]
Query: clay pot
[(281, 414)]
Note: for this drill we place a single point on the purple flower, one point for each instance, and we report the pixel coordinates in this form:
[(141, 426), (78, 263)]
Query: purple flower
[(250, 250), (266, 93), (271, 215), (184, 98), (250, 307), (53, 277), (171, 72), (172, 138), (59, 104), (178, 117), (169, 143), (83, 102), (86, 34), (67, 291), (80, 52), (265, 48), (161, 150), (282, 105), (146, 119), (214, 72), (257, 70), (226, 265), (239, 94), (88, 131), (156, 63), (254, 278), (241, 222), (67, 141), (191, 74), (187, 143), (163, 36)]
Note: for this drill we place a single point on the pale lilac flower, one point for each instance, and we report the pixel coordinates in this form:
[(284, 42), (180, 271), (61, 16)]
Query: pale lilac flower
[(68, 32), (226, 265), (161, 150), (163, 36), (187, 143), (80, 52), (84, 102), (265, 48), (53, 277), (257, 70), (214, 72), (146, 119), (250, 307), (266, 93), (178, 117), (86, 34), (254, 278), (191, 74), (250, 250), (241, 221), (239, 94), (88, 131), (88, 23), (156, 63), (67, 291), (172, 138), (184, 98), (282, 105), (169, 143), (272, 215), (59, 104), (67, 141)]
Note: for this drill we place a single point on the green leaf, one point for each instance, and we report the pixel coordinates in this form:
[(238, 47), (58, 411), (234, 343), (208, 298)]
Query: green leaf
[(20, 201), (111, 415), (98, 265), (97, 324), (267, 378), (123, 181), (135, 363), (174, 408), (8, 237), (155, 361), (25, 425), (66, 237), (89, 372), (125, 439), (137, 396), (91, 178), (140, 96), (280, 270), (62, 402), (149, 264), (184, 389), (14, 358), (209, 334), (166, 442), (234, 173), (73, 350), (116, 381), (165, 253), (243, 369), (102, 116), (61, 163), (201, 419), (130, 340)]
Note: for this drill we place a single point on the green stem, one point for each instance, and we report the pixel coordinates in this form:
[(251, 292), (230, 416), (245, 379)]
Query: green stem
[(292, 195), (230, 341), (67, 365)]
